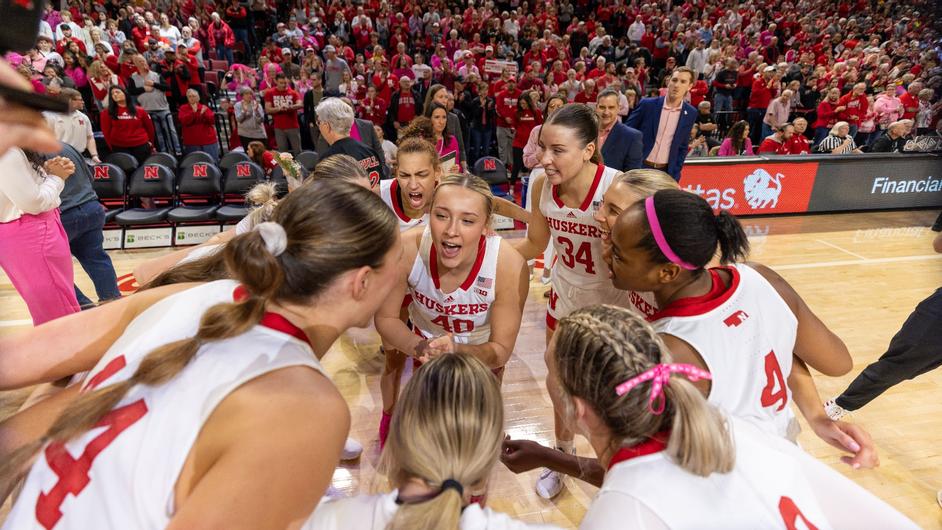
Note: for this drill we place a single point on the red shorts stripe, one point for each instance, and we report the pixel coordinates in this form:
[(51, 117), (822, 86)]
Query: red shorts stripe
[(550, 322)]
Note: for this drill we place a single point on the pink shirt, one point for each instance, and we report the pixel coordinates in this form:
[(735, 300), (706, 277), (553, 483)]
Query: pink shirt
[(603, 134), (531, 151), (666, 128)]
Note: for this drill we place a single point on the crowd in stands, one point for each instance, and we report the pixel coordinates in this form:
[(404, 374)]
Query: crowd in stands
[(782, 77)]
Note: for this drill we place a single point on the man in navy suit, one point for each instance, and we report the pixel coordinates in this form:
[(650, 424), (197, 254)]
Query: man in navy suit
[(621, 145), (665, 124)]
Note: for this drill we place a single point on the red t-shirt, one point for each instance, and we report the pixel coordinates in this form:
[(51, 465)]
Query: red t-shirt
[(856, 108), (798, 145), (910, 106), (773, 147), (406, 110), (283, 99)]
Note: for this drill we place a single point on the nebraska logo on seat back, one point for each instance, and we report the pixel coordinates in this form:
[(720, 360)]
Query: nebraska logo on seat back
[(151, 173), (737, 318), (243, 170), (752, 188), (490, 165), (102, 173), (200, 171)]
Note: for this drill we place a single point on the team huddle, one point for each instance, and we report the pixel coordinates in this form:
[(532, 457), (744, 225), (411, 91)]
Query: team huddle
[(202, 401)]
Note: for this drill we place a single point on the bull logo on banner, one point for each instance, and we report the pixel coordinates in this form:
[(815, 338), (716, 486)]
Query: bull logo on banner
[(762, 189)]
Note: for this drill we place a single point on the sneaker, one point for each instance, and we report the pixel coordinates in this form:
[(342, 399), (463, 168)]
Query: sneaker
[(351, 449), (545, 279), (834, 411), (384, 429), (549, 484)]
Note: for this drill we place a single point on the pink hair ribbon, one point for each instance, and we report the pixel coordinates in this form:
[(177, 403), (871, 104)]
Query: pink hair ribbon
[(659, 375), (659, 236)]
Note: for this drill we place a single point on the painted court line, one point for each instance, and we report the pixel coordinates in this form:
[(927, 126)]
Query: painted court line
[(14, 323), (844, 250), (866, 261)]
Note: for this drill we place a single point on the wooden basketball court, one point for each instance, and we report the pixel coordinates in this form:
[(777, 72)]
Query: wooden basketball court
[(862, 273)]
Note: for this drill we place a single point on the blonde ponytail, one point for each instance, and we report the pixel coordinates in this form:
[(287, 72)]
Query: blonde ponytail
[(700, 441)]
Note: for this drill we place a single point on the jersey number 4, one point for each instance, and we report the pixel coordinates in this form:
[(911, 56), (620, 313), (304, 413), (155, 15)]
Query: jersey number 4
[(791, 515), (455, 325), (582, 255), (774, 380), (73, 472)]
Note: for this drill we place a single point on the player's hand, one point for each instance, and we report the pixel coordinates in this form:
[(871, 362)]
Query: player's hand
[(521, 456), (21, 126), (851, 438), (435, 347)]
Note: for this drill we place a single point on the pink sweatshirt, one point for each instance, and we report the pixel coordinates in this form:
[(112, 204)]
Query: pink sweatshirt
[(887, 109)]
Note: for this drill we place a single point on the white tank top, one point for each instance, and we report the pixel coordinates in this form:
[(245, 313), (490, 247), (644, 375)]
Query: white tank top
[(575, 234), (766, 489), (465, 312), (123, 474), (389, 192), (746, 337)]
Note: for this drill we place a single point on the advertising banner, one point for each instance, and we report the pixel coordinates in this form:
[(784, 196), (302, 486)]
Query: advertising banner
[(756, 187), (906, 181)]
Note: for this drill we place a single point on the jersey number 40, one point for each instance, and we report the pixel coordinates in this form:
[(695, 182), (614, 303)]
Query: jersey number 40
[(775, 391), (455, 325)]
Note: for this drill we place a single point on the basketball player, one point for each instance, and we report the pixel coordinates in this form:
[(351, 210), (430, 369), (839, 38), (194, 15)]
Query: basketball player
[(467, 288), (208, 392), (675, 461), (264, 196), (569, 193), (441, 446)]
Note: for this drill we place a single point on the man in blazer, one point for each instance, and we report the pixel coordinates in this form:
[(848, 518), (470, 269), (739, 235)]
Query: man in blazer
[(621, 145), (665, 123)]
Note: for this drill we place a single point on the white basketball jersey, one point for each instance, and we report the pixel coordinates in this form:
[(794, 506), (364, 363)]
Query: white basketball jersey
[(746, 337), (122, 473), (575, 234), (766, 489), (465, 312), (389, 192)]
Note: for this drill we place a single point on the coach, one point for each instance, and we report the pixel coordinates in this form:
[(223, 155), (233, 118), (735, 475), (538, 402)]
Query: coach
[(621, 145), (665, 123)]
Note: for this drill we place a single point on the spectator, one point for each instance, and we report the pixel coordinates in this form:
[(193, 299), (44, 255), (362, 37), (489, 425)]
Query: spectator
[(334, 120), (697, 58), (199, 126), (482, 115), (440, 94), (798, 144), (839, 141), (925, 116), (526, 117), (373, 107), (706, 124), (83, 219), (737, 141), (723, 86), (178, 72), (854, 107), (282, 104), (250, 119), (221, 38), (866, 132), (334, 69), (777, 113), (34, 249), (127, 127), (260, 154), (620, 144), (764, 88), (777, 142), (887, 109), (402, 106), (698, 146), (361, 131), (238, 19), (910, 100), (895, 138), (506, 103), (74, 128), (150, 89), (445, 143), (390, 150), (665, 124), (168, 32), (827, 115)]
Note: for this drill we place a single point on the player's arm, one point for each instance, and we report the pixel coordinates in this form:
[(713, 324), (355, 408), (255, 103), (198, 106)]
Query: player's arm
[(71, 344), (509, 209), (842, 435), (937, 243), (289, 471), (815, 344), (683, 353), (538, 233), (147, 271), (394, 332), (512, 287), (523, 455)]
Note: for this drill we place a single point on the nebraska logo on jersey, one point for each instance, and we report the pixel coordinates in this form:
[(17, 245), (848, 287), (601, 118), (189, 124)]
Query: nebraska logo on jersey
[(735, 319), (762, 189), (450, 299)]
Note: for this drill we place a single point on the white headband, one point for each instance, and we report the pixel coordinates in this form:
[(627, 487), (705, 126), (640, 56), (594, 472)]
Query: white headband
[(274, 236)]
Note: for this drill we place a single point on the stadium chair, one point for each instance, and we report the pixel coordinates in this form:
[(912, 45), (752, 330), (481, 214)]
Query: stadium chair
[(212, 76), (150, 181), (163, 159), (232, 158), (126, 162), (240, 178), (197, 156), (199, 189), (110, 183), (308, 159), (217, 64), (494, 172)]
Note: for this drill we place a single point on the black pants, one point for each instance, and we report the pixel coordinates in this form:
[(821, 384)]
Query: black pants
[(140, 152), (915, 350), (518, 164)]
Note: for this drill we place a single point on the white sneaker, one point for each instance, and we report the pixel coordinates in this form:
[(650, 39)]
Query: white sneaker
[(834, 411), (351, 449), (549, 484)]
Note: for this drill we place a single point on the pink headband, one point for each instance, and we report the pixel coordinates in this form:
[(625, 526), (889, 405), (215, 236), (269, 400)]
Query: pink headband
[(659, 236), (659, 375)]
